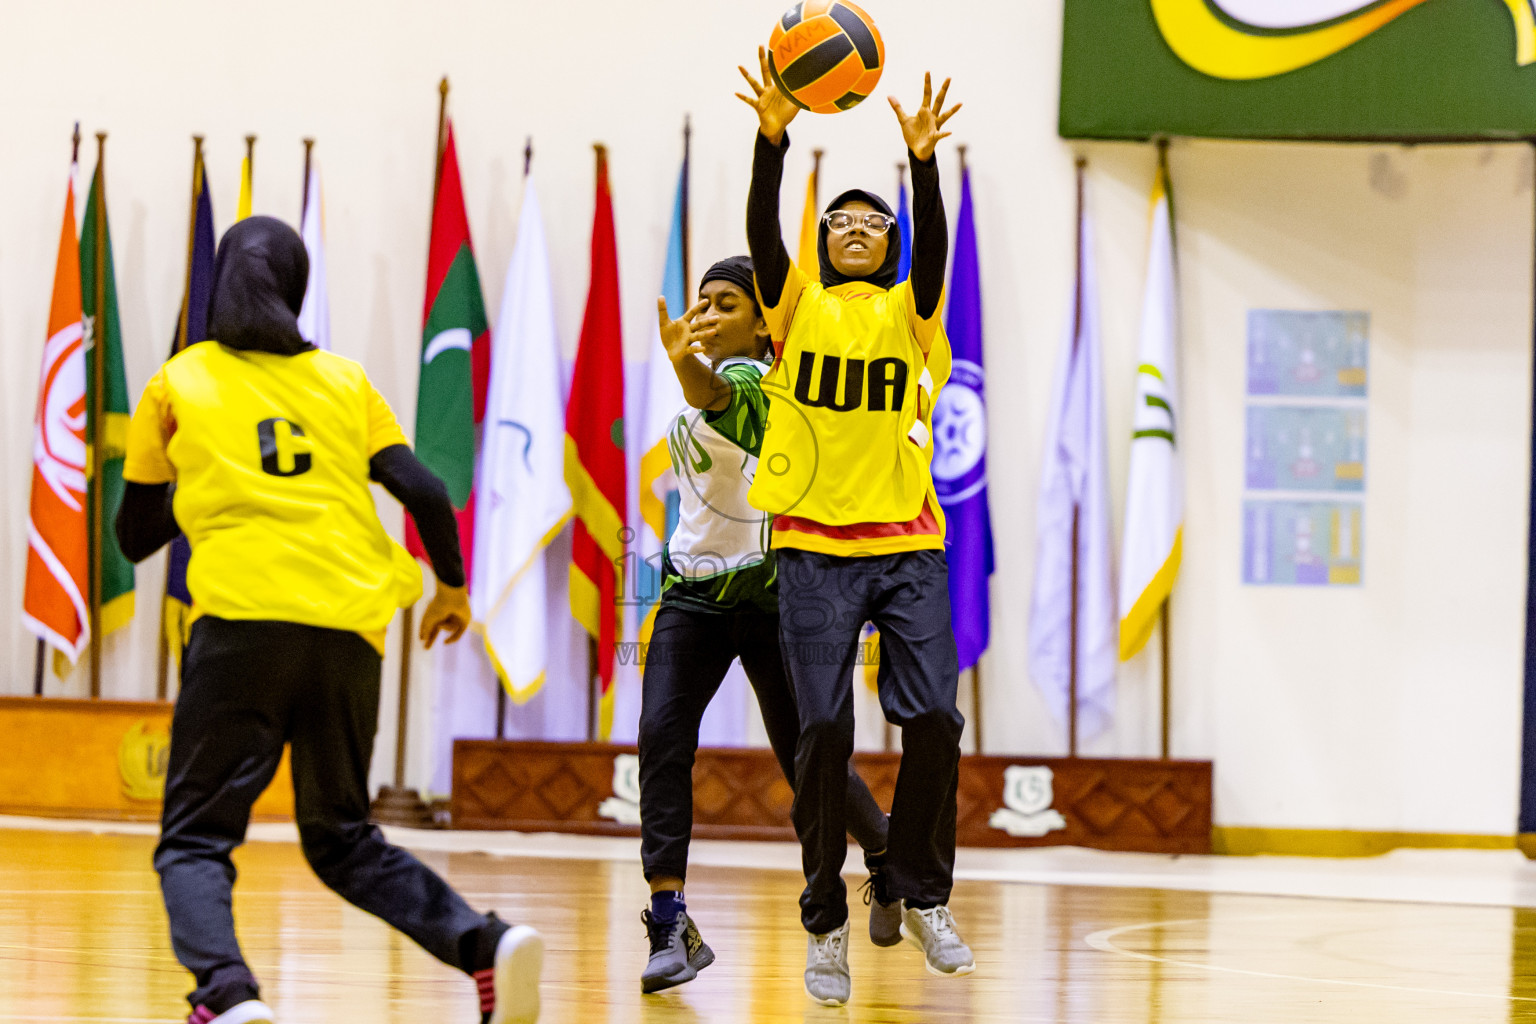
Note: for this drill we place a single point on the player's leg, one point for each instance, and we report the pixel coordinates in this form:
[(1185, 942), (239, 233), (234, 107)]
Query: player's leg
[(757, 644), (333, 729), (821, 610), (688, 656), (919, 684), (226, 742)]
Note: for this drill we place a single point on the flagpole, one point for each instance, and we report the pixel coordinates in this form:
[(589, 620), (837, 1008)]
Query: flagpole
[(1077, 329), (309, 146), (976, 668), (501, 690), (687, 185), (163, 646), (98, 381), (250, 162), (1167, 689), (1166, 677), (409, 621), (37, 669)]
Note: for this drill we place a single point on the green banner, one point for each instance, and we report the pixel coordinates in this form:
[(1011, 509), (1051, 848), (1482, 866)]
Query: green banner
[(1389, 70), (109, 438)]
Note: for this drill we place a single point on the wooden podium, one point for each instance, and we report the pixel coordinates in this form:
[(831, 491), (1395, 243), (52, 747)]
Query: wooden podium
[(1153, 806)]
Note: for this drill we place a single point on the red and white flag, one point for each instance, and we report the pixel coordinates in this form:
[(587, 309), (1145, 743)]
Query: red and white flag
[(54, 608)]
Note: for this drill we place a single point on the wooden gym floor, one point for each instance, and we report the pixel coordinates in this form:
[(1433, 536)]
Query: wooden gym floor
[(83, 939)]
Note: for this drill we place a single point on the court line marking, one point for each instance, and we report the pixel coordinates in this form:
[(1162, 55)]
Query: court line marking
[(1103, 942)]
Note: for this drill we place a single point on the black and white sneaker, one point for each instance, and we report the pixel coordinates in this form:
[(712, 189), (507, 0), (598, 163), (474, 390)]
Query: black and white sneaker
[(678, 952)]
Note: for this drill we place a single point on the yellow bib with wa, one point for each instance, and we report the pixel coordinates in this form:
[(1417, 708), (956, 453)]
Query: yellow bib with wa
[(270, 458), (850, 413)]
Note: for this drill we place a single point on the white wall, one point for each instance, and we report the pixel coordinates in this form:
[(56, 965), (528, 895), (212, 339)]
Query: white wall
[(1392, 706)]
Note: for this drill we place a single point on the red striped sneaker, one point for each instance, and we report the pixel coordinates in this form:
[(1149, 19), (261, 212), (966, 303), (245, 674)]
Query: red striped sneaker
[(509, 991), (252, 1011)]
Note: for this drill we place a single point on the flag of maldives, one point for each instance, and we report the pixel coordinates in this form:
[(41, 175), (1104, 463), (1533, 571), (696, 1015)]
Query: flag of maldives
[(455, 353)]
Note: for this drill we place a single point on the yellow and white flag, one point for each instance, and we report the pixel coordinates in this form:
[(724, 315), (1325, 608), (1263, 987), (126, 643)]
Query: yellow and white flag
[(1154, 511)]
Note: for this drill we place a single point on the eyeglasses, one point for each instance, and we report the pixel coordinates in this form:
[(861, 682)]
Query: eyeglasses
[(841, 222)]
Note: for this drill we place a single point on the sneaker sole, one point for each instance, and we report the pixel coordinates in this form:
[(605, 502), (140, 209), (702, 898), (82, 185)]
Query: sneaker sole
[(519, 962), (252, 1011), (826, 1002), (928, 965), (650, 986), (702, 959)]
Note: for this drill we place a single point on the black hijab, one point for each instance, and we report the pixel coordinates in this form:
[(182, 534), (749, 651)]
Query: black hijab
[(259, 277), (885, 277)]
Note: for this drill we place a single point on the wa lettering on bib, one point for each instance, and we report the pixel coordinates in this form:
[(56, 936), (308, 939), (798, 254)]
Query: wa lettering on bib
[(851, 397)]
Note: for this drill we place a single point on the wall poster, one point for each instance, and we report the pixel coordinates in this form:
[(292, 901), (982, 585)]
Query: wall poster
[(1305, 448)]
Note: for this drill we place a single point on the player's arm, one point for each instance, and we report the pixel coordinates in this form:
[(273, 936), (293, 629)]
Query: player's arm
[(765, 242), (425, 497), (145, 522), (744, 418), (930, 227), (683, 339)]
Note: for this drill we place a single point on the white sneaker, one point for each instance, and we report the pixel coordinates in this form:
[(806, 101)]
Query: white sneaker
[(933, 931), (519, 962), (252, 1011), (826, 967)]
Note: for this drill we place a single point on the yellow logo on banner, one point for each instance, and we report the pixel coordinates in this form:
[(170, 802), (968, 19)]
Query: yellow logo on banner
[(142, 758), (1247, 43)]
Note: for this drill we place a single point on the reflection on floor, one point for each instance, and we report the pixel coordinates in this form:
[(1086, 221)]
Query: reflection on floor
[(1061, 936)]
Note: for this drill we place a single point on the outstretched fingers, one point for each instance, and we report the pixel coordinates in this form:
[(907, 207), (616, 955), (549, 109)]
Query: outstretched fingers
[(696, 309), (757, 90), (938, 103), (927, 89), (949, 114)]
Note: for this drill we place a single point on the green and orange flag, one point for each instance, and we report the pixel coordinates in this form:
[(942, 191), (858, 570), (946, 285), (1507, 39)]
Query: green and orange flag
[(455, 353), (106, 440), (594, 454)]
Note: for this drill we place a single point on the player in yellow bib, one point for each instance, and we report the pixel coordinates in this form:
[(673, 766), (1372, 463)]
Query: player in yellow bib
[(261, 448), (858, 529)]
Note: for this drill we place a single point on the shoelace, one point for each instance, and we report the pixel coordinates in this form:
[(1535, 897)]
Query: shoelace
[(941, 921), (830, 949), (867, 890), (659, 932)]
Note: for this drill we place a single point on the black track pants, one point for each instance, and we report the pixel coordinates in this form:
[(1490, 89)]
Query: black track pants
[(689, 655), (824, 601), (246, 689)]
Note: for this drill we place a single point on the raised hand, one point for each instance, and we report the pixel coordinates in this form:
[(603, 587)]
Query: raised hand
[(682, 338), (774, 109), (922, 129)]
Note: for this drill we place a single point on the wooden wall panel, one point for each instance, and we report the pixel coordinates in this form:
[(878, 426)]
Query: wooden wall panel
[(739, 793)]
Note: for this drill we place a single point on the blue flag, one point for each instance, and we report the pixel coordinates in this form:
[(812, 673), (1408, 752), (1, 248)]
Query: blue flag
[(191, 327), (960, 445), (904, 226)]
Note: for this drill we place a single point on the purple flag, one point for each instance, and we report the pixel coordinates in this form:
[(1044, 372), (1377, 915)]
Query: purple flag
[(960, 447)]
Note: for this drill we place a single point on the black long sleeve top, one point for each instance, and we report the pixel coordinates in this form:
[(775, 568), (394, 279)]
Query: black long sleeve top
[(771, 261), (146, 523)]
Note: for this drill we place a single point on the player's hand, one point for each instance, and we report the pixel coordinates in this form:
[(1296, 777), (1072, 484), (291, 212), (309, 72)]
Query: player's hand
[(774, 109), (683, 338), (447, 613), (922, 129)]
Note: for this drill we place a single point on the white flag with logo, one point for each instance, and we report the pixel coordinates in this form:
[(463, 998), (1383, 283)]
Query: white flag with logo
[(315, 316), (1074, 505), (1154, 508), (523, 499)]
